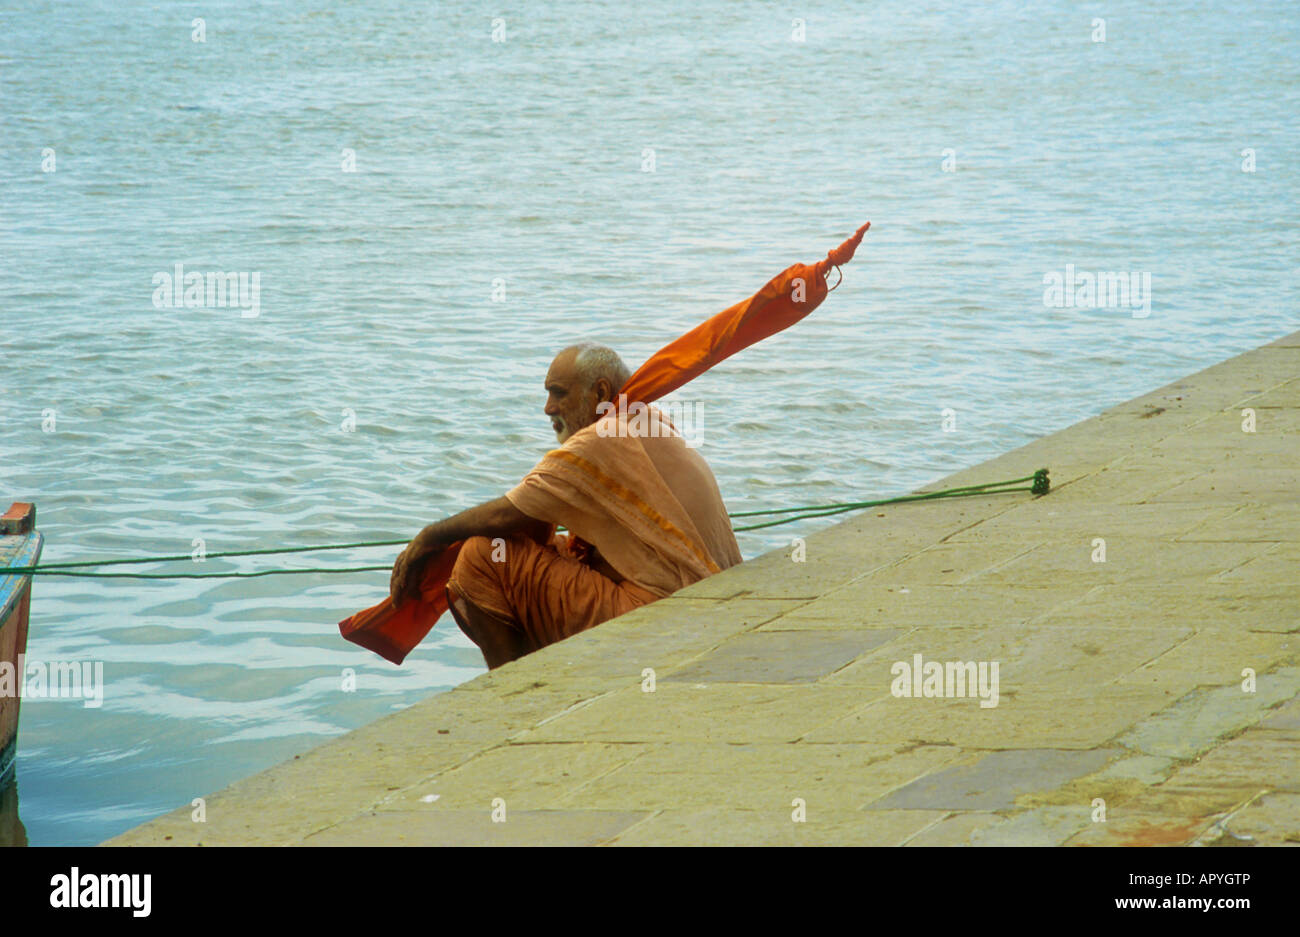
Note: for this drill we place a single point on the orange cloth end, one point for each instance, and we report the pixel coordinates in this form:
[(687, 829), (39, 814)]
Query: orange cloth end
[(392, 631)]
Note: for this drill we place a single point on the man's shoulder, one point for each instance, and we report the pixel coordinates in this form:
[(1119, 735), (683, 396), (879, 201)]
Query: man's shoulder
[(635, 421)]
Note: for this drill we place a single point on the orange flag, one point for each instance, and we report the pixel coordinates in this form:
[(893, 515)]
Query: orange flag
[(391, 631), (783, 301)]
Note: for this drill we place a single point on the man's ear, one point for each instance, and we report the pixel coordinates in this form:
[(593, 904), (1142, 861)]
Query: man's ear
[(604, 390)]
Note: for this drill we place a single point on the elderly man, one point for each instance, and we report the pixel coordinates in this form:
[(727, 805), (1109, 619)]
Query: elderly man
[(643, 512)]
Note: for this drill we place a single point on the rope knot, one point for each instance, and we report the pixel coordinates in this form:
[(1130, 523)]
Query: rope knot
[(1041, 485)]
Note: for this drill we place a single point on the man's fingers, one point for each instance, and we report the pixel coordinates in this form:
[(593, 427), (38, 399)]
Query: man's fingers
[(405, 581), (407, 573), (397, 584), (411, 588)]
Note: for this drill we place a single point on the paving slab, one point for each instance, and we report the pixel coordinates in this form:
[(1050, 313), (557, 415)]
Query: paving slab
[(1050, 720), (1043, 522), (996, 780), (956, 829), (1250, 522), (776, 827), (1284, 718), (1030, 657), (782, 656), (765, 776), (1241, 606), (1143, 830), (892, 604), (523, 776), (478, 828), (718, 712), (1273, 819), (1207, 717)]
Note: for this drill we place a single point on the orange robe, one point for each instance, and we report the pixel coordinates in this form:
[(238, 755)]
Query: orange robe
[(392, 631), (646, 501), (630, 489)]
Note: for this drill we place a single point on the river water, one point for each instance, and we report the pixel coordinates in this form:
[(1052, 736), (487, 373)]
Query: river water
[(434, 202)]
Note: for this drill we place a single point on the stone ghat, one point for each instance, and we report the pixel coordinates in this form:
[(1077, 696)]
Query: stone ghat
[(1144, 619)]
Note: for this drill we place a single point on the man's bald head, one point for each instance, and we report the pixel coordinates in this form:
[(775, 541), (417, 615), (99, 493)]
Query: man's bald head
[(582, 377)]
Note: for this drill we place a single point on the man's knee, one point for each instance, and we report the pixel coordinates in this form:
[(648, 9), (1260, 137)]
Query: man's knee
[(474, 553), (472, 573), (484, 575), (486, 553)]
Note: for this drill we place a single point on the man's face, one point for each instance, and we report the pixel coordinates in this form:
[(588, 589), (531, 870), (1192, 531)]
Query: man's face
[(569, 405)]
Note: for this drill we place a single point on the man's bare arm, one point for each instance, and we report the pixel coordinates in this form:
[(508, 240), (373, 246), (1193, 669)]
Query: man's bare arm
[(496, 518)]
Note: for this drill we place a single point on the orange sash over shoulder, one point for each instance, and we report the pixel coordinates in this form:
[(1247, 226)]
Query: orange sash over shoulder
[(392, 631)]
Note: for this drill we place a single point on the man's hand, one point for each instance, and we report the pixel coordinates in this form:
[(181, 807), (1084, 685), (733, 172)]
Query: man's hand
[(405, 582), (496, 518)]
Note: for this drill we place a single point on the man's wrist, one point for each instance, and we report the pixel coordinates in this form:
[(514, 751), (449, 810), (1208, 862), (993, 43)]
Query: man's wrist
[(428, 540)]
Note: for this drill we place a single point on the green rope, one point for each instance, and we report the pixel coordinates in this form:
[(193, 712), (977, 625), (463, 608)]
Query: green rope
[(210, 556), (39, 571), (1040, 486), (1039, 479)]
